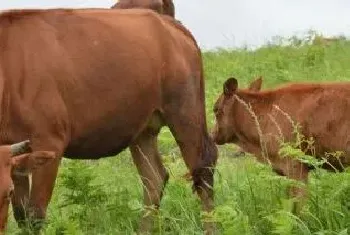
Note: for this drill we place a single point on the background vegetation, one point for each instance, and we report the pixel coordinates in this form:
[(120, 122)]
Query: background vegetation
[(105, 197)]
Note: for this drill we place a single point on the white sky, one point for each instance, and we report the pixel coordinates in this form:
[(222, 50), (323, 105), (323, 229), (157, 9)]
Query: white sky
[(234, 23)]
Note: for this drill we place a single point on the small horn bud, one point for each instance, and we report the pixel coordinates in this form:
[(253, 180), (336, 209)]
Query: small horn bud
[(20, 148)]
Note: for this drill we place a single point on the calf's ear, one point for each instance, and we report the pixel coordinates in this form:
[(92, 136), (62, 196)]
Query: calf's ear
[(230, 87), (24, 164), (256, 84)]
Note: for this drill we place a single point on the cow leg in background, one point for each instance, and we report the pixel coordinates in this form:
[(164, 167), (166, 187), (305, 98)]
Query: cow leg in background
[(153, 174), (297, 171), (20, 198), (43, 182), (239, 153), (198, 150)]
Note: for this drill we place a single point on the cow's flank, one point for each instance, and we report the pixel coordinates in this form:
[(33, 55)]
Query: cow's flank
[(88, 83), (258, 120)]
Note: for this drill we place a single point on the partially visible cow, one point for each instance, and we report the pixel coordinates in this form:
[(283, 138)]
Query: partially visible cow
[(165, 7), (326, 41), (71, 90), (258, 120)]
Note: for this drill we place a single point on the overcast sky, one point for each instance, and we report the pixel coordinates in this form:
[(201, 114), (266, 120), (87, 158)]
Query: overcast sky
[(235, 23)]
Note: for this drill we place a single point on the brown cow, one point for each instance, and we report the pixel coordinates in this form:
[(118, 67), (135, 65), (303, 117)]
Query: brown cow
[(165, 7), (74, 91), (258, 121)]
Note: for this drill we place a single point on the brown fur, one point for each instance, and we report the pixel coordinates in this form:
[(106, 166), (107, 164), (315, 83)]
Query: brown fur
[(89, 83), (322, 110), (165, 7)]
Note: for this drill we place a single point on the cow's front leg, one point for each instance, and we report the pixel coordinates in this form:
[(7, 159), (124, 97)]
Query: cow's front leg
[(43, 182)]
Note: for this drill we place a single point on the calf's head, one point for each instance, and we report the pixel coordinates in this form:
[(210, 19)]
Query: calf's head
[(16, 159), (225, 110)]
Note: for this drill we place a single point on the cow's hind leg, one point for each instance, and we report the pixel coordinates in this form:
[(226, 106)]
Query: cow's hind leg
[(153, 174), (198, 150)]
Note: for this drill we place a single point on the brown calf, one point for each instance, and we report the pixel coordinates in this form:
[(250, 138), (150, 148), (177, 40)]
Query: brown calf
[(68, 87), (165, 7), (258, 121)]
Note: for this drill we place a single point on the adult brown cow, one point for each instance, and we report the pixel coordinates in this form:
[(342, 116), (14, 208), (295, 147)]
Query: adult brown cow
[(88, 83), (322, 111), (165, 7)]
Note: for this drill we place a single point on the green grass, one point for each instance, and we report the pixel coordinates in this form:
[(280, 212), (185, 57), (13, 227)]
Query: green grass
[(106, 197)]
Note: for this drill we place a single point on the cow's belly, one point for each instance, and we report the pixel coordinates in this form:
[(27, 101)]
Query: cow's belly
[(98, 146), (104, 140), (109, 140)]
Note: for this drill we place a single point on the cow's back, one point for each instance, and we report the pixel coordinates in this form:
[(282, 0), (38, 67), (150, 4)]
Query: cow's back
[(321, 110), (325, 117)]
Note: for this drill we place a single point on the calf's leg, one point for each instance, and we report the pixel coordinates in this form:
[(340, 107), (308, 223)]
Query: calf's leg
[(153, 174), (297, 171)]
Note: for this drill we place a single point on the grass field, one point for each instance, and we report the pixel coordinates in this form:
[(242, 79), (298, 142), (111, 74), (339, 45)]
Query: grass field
[(106, 197)]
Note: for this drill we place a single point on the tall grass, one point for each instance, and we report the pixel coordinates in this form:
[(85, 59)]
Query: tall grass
[(106, 197)]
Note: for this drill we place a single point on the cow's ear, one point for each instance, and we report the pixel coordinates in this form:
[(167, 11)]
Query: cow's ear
[(26, 163), (256, 84), (230, 86)]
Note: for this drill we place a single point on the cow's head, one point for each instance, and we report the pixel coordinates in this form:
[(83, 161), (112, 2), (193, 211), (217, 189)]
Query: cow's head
[(225, 111), (15, 159)]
